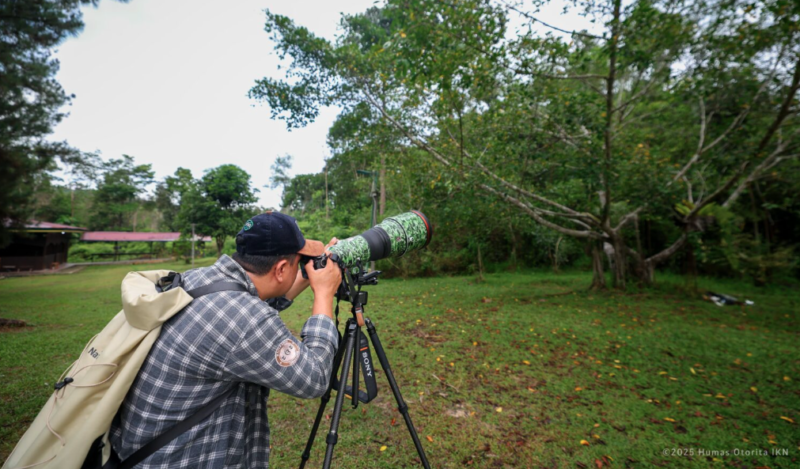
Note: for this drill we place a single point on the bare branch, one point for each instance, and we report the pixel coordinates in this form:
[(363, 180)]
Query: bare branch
[(518, 189), (740, 118), (627, 218), (768, 163), (668, 252), (532, 18), (542, 221), (573, 77), (721, 190)]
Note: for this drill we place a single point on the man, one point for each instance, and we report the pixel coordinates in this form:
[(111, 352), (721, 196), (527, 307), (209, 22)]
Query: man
[(236, 339)]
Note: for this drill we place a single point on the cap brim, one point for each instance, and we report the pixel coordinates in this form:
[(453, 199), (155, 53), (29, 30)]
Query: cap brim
[(312, 248)]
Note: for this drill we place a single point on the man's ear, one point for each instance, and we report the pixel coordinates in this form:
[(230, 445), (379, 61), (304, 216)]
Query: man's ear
[(280, 270)]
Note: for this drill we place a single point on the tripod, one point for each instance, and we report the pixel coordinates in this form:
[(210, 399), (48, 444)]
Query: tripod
[(350, 290)]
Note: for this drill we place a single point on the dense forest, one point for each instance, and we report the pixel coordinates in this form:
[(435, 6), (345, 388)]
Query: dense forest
[(667, 138)]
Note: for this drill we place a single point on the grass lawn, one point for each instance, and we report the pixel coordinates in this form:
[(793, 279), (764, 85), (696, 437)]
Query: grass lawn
[(522, 370)]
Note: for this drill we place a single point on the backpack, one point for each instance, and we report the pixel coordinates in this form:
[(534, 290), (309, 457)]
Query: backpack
[(71, 430)]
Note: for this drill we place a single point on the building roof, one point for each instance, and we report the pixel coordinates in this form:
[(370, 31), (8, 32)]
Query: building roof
[(113, 236), (35, 226)]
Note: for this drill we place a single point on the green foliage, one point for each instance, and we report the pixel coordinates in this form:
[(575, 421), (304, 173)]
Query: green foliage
[(115, 200), (592, 135), (218, 204), (31, 100)]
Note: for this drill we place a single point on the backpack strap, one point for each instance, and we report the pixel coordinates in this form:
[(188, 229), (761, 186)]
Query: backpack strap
[(178, 429), (174, 280), (216, 287)]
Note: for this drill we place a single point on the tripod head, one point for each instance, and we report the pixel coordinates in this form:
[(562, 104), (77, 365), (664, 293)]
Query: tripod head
[(352, 281)]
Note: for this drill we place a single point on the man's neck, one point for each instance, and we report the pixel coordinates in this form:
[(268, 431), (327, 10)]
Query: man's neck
[(263, 287)]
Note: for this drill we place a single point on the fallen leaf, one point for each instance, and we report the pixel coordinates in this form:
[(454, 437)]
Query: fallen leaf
[(383, 448), (498, 409), (579, 389), (526, 362), (584, 443), (662, 372), (430, 438), (393, 422), (787, 419), (754, 389), (598, 463), (669, 419), (692, 370), (786, 378)]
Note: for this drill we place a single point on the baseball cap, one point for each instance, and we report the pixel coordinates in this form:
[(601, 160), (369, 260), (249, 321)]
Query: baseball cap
[(275, 234)]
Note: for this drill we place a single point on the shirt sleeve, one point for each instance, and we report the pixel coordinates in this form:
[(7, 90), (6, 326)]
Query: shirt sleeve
[(269, 355)]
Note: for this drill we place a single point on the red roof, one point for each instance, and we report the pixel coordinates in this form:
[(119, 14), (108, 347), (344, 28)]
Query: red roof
[(137, 236)]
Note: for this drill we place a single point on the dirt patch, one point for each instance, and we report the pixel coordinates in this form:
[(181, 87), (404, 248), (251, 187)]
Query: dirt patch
[(13, 325)]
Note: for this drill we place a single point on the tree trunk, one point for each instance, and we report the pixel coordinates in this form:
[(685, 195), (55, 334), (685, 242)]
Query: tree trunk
[(327, 205), (513, 256), (220, 240), (480, 264), (382, 202), (691, 266), (620, 263), (598, 275), (648, 273)]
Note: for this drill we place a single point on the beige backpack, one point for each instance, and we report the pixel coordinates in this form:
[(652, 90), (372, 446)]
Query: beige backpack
[(90, 392)]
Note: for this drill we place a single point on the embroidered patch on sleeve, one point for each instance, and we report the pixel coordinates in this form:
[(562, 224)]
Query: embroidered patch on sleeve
[(288, 353)]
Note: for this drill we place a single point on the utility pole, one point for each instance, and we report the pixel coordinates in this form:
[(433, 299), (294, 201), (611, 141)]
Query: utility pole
[(193, 239), (373, 193)]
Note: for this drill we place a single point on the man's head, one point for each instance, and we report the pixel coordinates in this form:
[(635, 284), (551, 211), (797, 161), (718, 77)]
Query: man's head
[(269, 247)]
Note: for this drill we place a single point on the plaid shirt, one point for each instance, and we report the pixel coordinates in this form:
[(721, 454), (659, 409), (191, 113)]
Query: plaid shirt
[(221, 340)]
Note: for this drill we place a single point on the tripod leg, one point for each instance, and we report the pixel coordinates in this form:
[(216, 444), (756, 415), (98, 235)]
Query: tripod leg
[(337, 360), (333, 436), (356, 368), (401, 405)]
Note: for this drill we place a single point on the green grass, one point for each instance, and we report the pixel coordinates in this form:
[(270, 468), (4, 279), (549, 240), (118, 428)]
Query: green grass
[(512, 372)]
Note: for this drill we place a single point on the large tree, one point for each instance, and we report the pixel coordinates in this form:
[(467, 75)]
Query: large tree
[(218, 204), (662, 117), (31, 100), (116, 199)]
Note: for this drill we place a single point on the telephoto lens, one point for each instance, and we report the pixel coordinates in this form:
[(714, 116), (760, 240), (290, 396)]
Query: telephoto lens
[(393, 237)]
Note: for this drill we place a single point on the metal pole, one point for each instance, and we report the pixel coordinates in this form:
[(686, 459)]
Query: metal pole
[(193, 237), (374, 195)]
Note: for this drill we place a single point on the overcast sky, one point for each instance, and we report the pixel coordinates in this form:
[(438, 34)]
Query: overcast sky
[(166, 82)]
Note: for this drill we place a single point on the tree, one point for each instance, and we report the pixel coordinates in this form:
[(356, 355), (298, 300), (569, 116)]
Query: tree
[(169, 195), (218, 204), (279, 176), (571, 129), (30, 98), (116, 198)]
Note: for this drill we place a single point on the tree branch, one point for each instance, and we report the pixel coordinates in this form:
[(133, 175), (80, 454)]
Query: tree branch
[(537, 217), (666, 253), (536, 20)]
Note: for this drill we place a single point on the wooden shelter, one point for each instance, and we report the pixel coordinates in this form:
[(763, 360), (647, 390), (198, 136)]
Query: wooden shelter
[(38, 245)]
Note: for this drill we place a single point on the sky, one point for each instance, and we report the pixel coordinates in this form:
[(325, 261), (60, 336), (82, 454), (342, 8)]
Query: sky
[(166, 81)]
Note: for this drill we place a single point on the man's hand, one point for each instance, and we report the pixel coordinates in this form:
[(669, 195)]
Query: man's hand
[(324, 283)]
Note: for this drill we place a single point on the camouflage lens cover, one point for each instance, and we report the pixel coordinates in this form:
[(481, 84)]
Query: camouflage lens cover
[(405, 232)]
